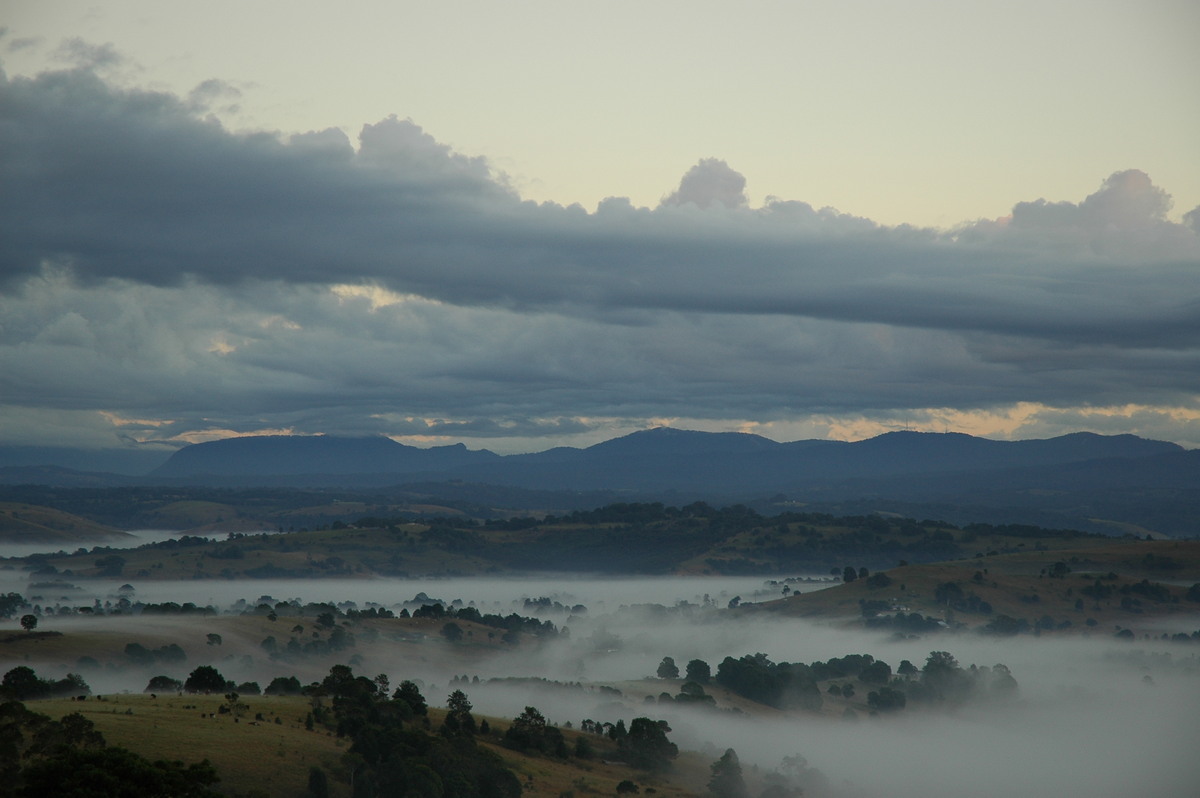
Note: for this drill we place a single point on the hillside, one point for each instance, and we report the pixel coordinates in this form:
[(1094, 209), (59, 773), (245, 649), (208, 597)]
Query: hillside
[(269, 750), (1101, 587), (28, 523), (617, 539)]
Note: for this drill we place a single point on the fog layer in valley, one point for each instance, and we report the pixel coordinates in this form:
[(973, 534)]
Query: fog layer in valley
[(1094, 716)]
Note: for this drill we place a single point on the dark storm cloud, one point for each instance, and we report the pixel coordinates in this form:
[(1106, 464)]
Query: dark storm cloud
[(156, 265)]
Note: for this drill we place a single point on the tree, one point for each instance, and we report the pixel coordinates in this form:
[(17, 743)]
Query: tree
[(528, 731), (163, 684), (726, 781), (646, 746), (21, 683), (694, 692), (667, 669), (283, 685), (698, 671), (849, 574), (459, 721), (878, 672), (627, 787), (29, 622), (10, 603), (214, 639), (233, 704), (886, 699), (410, 694), (205, 679), (452, 632), (879, 579)]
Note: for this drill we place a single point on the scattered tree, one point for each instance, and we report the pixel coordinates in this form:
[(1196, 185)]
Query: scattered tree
[(698, 671), (205, 679), (410, 694), (646, 746), (163, 684), (284, 685), (459, 722), (726, 781)]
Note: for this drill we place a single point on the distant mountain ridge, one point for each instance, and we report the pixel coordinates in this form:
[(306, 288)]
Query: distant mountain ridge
[(663, 458), (286, 455), (1113, 484)]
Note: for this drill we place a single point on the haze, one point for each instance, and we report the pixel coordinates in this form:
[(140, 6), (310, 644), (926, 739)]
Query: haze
[(1095, 715)]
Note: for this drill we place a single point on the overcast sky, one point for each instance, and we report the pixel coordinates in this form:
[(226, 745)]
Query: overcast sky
[(532, 224)]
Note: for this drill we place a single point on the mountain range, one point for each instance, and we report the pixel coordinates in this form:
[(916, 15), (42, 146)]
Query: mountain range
[(1118, 483), (658, 459)]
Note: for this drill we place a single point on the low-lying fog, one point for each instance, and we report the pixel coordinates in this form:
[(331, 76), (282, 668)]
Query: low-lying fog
[(1095, 716)]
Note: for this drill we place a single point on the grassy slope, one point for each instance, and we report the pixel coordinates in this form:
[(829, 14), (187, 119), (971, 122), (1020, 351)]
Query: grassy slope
[(415, 548), (31, 523), (1010, 580), (248, 754), (275, 757)]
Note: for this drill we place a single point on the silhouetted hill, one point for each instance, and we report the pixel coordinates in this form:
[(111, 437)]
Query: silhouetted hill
[(286, 455), (665, 459), (651, 460), (1118, 483)]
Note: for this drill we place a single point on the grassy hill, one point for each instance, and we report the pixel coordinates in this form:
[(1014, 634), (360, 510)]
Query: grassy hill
[(626, 539), (30, 523), (269, 751), (1104, 586)]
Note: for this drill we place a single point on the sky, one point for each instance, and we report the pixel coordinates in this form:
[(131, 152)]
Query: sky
[(525, 225)]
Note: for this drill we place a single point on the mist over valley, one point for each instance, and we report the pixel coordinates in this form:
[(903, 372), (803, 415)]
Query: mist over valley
[(1100, 692)]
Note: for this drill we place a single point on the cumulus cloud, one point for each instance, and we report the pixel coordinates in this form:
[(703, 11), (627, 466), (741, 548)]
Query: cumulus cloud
[(709, 183), (166, 266)]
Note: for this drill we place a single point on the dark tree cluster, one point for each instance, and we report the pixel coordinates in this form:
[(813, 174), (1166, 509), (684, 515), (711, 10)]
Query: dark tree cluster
[(794, 685), (396, 756), (904, 623), (11, 603), (23, 684), (783, 685), (952, 595), (512, 622), (529, 732)]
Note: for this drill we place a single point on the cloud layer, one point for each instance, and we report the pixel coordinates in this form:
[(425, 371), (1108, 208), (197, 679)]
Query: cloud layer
[(156, 266)]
